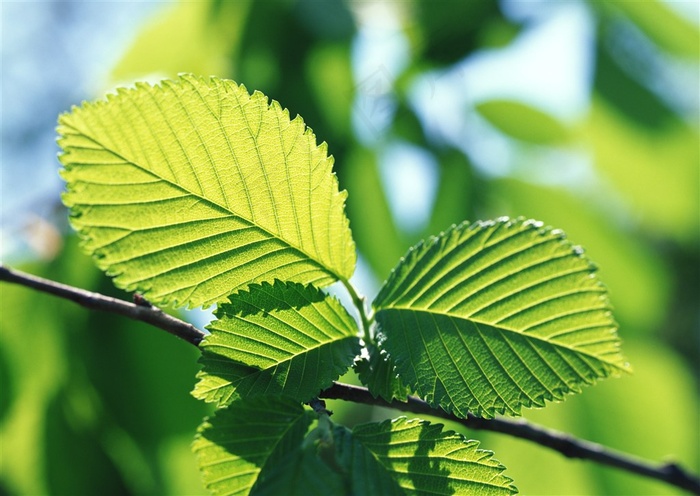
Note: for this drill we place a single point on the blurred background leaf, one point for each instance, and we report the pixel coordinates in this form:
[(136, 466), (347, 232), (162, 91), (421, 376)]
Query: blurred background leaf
[(581, 114), (523, 122)]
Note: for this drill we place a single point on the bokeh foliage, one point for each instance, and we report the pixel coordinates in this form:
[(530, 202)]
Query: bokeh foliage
[(97, 404)]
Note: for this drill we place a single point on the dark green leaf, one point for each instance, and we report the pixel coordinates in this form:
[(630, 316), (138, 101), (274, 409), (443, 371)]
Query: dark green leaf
[(239, 443)]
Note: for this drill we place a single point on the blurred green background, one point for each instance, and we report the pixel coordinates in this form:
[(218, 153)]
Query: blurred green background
[(581, 114)]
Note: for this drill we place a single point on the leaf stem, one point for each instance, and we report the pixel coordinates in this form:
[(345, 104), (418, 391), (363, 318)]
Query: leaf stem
[(569, 446), (359, 302)]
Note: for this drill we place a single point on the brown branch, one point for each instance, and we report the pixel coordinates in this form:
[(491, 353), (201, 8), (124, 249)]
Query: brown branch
[(565, 444), (141, 310)]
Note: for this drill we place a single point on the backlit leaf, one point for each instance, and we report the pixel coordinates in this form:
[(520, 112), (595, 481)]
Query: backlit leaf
[(415, 457), (498, 315), (192, 189), (284, 338)]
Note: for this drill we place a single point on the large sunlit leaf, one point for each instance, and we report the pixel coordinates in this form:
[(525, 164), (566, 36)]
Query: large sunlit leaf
[(284, 338), (246, 439), (641, 297), (415, 457), (192, 189), (495, 316)]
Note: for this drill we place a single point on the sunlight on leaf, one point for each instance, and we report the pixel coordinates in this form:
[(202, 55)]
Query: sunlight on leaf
[(192, 189), (498, 315), (415, 457), (641, 297), (276, 339)]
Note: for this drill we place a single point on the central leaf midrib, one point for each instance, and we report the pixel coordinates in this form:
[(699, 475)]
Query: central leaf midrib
[(500, 328), (210, 202)]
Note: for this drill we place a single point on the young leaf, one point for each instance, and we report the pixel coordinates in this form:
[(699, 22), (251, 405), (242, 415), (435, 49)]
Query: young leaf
[(241, 442), (415, 457), (378, 372), (498, 315), (284, 338), (192, 189)]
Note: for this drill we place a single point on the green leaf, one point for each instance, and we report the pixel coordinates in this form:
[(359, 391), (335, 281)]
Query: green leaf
[(415, 457), (375, 231), (663, 198), (523, 122), (301, 473), (459, 191), (657, 20), (328, 71), (192, 189), (641, 296), (378, 372), (193, 37), (445, 36), (241, 442), (498, 315), (284, 338)]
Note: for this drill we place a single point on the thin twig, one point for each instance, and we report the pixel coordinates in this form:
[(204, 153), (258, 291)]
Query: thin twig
[(142, 310), (565, 444)]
